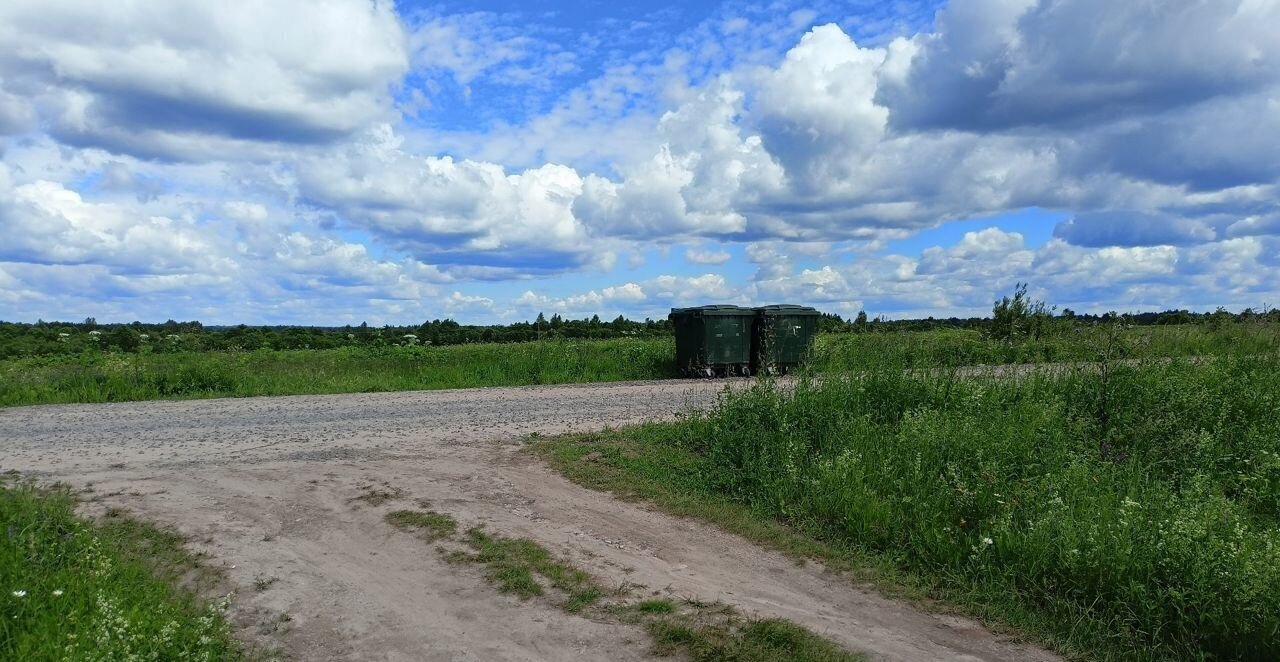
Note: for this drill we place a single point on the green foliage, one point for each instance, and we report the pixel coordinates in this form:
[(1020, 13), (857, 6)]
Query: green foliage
[(754, 641), (68, 339), (514, 563), (1020, 316), (71, 590), (112, 377), (1127, 507), (1141, 499), (432, 526), (1058, 342), (655, 606)]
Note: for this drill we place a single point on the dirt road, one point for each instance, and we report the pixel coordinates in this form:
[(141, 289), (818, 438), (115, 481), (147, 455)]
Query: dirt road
[(271, 488)]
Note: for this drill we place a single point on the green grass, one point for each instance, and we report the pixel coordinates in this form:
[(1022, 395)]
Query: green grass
[(113, 377), (735, 640), (1128, 511), (655, 606), (1062, 342), (515, 563), (111, 590), (431, 525)]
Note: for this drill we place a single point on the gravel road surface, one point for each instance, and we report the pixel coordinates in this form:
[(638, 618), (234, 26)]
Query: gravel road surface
[(271, 488)]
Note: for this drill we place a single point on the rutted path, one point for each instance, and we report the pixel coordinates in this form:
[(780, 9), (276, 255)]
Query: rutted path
[(269, 487)]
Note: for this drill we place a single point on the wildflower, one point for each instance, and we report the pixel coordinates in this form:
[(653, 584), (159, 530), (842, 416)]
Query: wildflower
[(57, 592), (19, 594), (987, 542)]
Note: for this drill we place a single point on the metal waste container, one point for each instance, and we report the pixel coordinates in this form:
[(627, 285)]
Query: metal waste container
[(782, 336), (713, 340)]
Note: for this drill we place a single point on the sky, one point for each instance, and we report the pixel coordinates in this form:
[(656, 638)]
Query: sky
[(334, 162)]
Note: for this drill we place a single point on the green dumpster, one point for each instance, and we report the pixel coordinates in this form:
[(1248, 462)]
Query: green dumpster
[(782, 336), (712, 340)]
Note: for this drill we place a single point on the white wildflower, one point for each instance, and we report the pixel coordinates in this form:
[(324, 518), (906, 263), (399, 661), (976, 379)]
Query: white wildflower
[(987, 542), (19, 594), (57, 592)]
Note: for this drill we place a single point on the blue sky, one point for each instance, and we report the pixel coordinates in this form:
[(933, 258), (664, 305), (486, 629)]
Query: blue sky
[(294, 162)]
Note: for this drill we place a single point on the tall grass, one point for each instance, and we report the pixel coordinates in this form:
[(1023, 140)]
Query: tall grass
[(70, 590), (1062, 342), (1128, 509), (110, 377)]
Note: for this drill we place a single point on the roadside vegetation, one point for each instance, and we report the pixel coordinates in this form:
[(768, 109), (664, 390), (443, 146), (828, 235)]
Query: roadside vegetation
[(110, 590), (97, 376), (1124, 507)]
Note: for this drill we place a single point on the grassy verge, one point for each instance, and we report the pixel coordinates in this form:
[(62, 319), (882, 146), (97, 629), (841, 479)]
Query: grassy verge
[(111, 590), (1122, 512), (1061, 342), (705, 632), (112, 377)]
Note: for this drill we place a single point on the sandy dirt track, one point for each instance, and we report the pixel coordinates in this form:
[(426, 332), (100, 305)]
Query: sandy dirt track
[(269, 487)]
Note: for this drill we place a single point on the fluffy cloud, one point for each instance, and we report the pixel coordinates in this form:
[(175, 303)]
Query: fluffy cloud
[(46, 223), (707, 257), (194, 79), (610, 298), (453, 212), (1000, 63), (842, 141)]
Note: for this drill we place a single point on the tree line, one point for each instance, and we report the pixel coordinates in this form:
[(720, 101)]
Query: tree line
[(68, 338), (1012, 317)]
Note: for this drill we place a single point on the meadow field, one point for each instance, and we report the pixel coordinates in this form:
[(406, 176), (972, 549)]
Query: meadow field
[(95, 375), (1125, 506)]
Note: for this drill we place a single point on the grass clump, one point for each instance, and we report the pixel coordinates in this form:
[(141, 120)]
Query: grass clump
[(512, 564), (430, 525), (76, 590), (731, 638), (655, 606), (1128, 510)]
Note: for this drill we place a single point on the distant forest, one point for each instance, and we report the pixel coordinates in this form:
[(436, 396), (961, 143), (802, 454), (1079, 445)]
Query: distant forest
[(63, 338)]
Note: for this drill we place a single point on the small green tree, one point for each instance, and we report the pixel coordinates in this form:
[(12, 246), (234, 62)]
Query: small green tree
[(125, 339), (1019, 316)]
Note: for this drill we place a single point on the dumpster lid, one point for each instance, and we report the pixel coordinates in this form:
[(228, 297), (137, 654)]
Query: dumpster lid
[(715, 309), (787, 309)]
